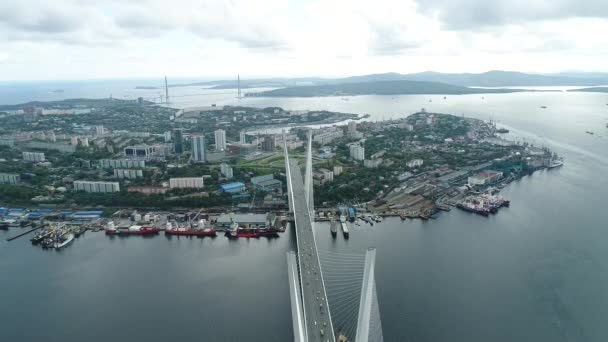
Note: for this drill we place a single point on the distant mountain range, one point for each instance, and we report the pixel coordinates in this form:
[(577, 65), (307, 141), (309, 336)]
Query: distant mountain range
[(398, 87), (432, 83)]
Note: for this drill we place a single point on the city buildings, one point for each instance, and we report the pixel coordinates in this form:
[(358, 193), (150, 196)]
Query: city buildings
[(485, 177), (327, 135), (186, 183), (122, 163), (128, 173), (232, 187), (90, 186), (414, 163), (64, 148), (178, 140), (99, 130), (338, 170), (357, 152), (226, 170), (9, 178), (255, 180), (148, 190), (139, 151), (220, 140), (215, 156), (84, 141), (242, 138), (33, 156), (327, 175), (250, 221), (198, 149), (268, 144), (167, 136), (372, 163), (269, 185), (352, 127)]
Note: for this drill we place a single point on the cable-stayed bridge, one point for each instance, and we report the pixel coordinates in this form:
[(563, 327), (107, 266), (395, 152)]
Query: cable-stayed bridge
[(333, 295)]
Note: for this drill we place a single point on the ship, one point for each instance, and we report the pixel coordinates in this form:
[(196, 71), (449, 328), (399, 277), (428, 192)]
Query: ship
[(555, 161), (473, 209), (132, 230), (333, 227), (3, 225), (180, 231), (237, 232), (352, 214), (41, 235), (64, 240), (345, 230), (543, 107), (268, 232)]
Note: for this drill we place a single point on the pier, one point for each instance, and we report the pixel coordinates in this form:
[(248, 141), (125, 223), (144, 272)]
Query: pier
[(22, 234)]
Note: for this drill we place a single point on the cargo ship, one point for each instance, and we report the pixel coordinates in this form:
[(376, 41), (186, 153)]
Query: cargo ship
[(483, 204), (237, 232)]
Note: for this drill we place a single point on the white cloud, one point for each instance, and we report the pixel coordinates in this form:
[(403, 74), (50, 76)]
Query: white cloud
[(213, 38)]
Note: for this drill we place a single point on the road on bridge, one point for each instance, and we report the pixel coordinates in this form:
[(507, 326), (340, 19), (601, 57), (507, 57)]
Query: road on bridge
[(316, 311)]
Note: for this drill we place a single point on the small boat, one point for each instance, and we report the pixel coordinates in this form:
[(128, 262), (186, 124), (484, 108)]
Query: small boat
[(555, 163), (64, 241), (589, 132), (543, 107)]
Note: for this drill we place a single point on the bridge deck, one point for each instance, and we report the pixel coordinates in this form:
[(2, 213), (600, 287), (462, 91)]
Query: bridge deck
[(314, 298)]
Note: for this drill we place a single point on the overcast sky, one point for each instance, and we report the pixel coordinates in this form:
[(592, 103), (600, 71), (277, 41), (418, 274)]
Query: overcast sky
[(83, 39)]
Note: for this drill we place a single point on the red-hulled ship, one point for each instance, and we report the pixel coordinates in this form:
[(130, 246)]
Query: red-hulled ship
[(238, 232)]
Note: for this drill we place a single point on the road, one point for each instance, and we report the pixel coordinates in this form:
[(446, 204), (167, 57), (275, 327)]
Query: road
[(316, 312)]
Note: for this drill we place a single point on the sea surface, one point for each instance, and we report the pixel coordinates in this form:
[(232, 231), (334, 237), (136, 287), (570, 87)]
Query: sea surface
[(536, 271)]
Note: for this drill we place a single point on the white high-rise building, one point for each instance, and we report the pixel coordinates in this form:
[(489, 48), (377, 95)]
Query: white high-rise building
[(88, 186), (84, 142), (198, 149), (33, 156), (167, 136), (50, 136), (99, 130), (220, 140), (9, 178), (226, 170), (189, 182), (242, 139), (352, 127), (128, 173), (357, 152)]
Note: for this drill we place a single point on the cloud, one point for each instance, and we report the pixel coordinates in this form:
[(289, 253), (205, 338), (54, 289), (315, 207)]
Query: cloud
[(474, 14), (241, 22)]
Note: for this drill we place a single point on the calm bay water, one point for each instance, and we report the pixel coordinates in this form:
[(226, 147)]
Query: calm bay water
[(537, 271)]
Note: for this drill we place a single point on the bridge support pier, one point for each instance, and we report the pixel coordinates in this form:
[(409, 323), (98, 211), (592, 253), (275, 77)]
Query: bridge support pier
[(369, 328)]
